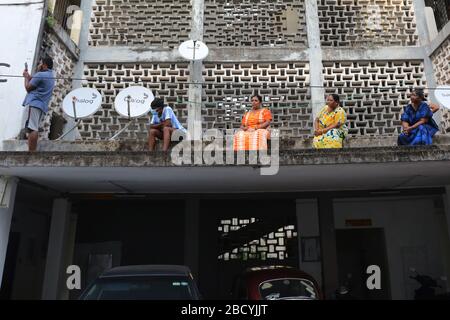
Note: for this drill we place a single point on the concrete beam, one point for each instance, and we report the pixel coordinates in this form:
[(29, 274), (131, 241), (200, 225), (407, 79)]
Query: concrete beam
[(258, 54), (121, 54), (142, 159), (8, 187), (364, 54), (126, 54)]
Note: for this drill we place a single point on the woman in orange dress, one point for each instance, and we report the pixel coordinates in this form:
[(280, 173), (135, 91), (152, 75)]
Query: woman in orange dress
[(253, 133)]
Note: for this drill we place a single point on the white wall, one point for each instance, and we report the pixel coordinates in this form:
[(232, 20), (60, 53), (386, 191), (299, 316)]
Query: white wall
[(413, 236), (19, 30)]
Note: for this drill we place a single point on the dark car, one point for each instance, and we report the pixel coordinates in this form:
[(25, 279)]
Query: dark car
[(276, 283), (152, 282)]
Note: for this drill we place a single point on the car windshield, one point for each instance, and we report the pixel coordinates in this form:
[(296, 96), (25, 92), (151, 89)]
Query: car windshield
[(142, 288), (288, 288)]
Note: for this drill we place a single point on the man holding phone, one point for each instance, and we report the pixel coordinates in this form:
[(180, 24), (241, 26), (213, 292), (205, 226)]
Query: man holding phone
[(40, 89)]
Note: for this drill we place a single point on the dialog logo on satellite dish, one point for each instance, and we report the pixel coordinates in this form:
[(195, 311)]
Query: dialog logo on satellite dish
[(134, 101), (94, 96), (82, 103)]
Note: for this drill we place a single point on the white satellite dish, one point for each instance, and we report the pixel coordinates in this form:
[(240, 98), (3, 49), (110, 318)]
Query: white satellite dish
[(79, 104), (134, 102), (82, 103), (193, 50), (442, 94)]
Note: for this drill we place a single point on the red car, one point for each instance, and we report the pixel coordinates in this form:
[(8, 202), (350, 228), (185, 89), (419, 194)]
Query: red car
[(276, 283)]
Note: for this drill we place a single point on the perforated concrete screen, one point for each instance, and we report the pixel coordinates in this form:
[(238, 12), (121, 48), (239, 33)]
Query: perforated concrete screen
[(168, 80), (140, 22)]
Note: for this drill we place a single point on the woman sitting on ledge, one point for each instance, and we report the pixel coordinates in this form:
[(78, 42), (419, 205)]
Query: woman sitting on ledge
[(417, 121), (253, 133), (329, 126)]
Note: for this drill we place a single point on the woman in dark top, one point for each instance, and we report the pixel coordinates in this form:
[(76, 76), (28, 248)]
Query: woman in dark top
[(417, 122)]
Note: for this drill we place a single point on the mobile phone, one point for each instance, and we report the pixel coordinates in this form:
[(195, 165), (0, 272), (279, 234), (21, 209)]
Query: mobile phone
[(26, 66)]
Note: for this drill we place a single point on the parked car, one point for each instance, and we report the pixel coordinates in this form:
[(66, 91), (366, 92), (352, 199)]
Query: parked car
[(151, 282), (276, 283)]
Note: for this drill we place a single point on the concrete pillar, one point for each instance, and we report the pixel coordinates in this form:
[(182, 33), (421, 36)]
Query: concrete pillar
[(191, 235), (82, 21), (55, 268), (8, 187), (328, 246), (424, 40), (431, 23), (308, 229), (86, 9), (69, 253), (315, 57), (195, 74)]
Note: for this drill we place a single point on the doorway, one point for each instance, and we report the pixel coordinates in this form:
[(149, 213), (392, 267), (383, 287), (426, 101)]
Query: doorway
[(356, 250)]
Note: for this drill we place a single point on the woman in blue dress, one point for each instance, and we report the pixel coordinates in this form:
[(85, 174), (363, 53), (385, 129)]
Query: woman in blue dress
[(417, 121)]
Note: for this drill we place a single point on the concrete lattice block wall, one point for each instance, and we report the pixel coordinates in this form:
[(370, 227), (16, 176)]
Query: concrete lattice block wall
[(367, 23), (441, 65), (166, 80), (374, 90), (373, 93), (140, 22), (249, 23), (283, 86)]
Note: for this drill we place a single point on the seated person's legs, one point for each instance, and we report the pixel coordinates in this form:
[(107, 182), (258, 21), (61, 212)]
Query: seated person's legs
[(153, 134), (167, 134)]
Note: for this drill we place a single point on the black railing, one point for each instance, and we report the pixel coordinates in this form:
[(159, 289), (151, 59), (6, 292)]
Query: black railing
[(63, 11), (441, 9)]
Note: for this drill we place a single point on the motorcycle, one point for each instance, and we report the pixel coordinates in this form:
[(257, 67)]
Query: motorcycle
[(427, 289)]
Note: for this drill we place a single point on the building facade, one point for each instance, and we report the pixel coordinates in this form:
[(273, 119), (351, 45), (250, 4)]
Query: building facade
[(94, 202)]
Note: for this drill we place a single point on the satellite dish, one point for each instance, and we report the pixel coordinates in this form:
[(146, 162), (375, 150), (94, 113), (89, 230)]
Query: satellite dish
[(82, 103), (134, 101), (193, 50), (442, 94)]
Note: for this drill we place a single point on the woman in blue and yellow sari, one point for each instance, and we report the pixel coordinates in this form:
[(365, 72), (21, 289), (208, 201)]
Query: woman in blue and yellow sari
[(417, 122), (329, 126)]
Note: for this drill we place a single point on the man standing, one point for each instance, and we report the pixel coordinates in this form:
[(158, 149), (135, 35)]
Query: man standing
[(162, 125), (40, 89)]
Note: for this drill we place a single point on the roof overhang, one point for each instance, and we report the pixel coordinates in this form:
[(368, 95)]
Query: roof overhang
[(299, 170)]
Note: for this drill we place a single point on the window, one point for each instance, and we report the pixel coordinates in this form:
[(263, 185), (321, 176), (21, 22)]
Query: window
[(62, 11)]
